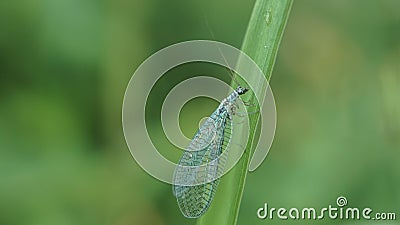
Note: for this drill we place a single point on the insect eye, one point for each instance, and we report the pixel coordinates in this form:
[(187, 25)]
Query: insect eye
[(241, 90)]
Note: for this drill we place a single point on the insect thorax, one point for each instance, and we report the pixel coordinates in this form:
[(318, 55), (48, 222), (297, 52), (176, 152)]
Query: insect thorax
[(229, 104)]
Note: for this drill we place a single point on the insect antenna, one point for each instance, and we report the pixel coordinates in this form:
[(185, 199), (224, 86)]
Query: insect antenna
[(230, 71)]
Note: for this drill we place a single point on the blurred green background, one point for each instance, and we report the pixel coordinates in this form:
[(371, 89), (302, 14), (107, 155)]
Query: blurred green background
[(65, 65)]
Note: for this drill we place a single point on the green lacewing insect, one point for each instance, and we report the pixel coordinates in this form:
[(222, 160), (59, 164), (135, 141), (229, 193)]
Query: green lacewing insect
[(198, 172)]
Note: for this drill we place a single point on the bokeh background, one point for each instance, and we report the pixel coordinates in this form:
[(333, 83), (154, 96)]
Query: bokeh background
[(63, 71)]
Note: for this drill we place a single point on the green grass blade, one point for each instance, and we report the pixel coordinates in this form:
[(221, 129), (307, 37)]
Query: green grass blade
[(261, 43)]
